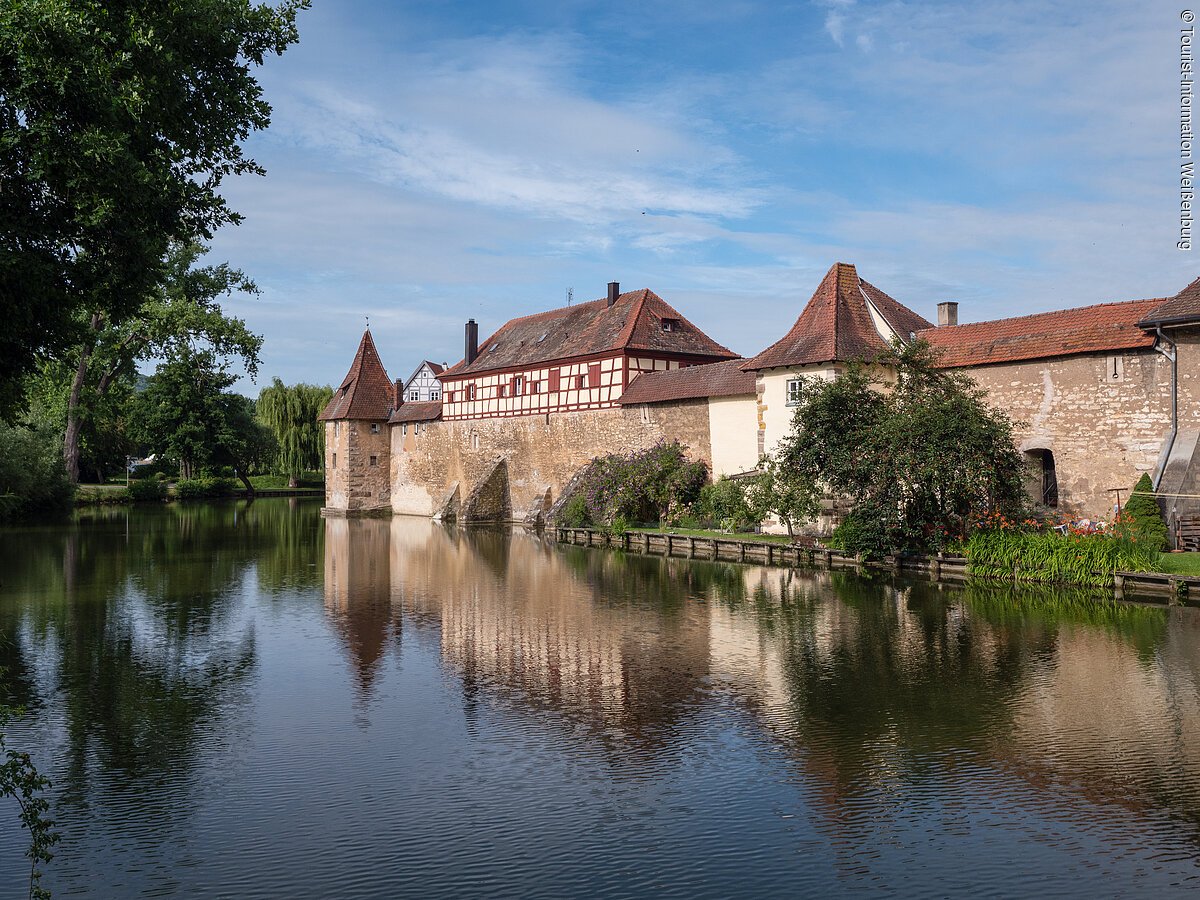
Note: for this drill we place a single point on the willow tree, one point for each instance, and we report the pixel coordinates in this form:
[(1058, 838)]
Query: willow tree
[(291, 411)]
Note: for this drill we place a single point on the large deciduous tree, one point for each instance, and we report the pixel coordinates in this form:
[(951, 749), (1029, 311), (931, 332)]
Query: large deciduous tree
[(916, 449), (291, 411), (119, 120), (187, 415), (179, 318)]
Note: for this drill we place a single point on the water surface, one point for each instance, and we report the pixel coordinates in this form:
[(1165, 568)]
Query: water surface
[(250, 701)]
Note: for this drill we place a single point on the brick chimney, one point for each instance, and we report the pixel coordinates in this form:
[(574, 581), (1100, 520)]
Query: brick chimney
[(471, 350), (397, 394), (614, 291), (947, 313)]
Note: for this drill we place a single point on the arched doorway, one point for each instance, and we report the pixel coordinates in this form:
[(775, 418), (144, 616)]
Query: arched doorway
[(1044, 478)]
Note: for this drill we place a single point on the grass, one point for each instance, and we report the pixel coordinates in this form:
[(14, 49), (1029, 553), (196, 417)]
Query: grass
[(1181, 563), (720, 535)]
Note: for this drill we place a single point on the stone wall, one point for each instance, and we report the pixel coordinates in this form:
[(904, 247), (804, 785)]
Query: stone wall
[(542, 452), (1105, 418), (357, 467)]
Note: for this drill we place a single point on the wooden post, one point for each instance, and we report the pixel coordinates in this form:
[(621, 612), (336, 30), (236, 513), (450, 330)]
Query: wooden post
[(741, 551), (691, 548), (667, 552), (646, 540), (770, 555)]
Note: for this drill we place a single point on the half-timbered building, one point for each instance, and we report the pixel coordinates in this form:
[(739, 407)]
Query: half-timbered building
[(572, 359), (422, 385)]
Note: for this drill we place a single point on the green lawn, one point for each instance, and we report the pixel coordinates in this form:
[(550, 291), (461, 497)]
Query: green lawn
[(307, 480), (1181, 563), (720, 535)]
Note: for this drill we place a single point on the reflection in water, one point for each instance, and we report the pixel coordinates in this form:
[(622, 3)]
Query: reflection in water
[(225, 701), (871, 686)]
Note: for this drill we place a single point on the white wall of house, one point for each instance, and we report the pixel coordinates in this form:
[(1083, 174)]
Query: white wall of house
[(423, 386), (774, 409), (733, 430)]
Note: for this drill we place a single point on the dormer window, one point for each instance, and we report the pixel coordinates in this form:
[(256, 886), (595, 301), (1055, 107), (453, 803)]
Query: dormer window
[(670, 324)]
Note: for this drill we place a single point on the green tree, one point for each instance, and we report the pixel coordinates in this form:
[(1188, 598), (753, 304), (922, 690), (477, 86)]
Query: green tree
[(187, 415), (33, 482), (1143, 516), (180, 316), (915, 449), (20, 779), (291, 411), (119, 121)]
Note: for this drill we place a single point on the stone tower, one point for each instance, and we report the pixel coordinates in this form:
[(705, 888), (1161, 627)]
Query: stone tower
[(357, 445)]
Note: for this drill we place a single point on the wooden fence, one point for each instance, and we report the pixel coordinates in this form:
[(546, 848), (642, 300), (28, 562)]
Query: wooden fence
[(942, 567)]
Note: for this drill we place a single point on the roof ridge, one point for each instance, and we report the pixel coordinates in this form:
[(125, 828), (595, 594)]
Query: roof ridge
[(1048, 312)]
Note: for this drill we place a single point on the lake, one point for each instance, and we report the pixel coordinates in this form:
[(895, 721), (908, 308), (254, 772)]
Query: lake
[(247, 700)]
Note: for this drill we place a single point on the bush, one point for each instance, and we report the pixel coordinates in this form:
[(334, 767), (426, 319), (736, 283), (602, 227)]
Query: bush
[(863, 532), (619, 526), (724, 503), (645, 486), (148, 490), (1142, 517), (33, 479), (205, 488), (574, 513)]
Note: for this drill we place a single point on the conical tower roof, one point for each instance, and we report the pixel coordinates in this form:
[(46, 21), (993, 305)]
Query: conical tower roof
[(847, 318), (366, 391)]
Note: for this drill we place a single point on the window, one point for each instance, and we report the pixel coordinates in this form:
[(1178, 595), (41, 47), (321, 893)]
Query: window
[(404, 428), (580, 382), (337, 428), (502, 391), (471, 392), (435, 395), (335, 460), (645, 413), (535, 387), (793, 391), (518, 386), (374, 428), (374, 460), (414, 395), (474, 441), (670, 324)]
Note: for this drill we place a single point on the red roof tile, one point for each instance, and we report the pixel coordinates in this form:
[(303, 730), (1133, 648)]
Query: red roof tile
[(1183, 307), (425, 411), (633, 322), (720, 379), (836, 325), (1089, 329), (366, 391)]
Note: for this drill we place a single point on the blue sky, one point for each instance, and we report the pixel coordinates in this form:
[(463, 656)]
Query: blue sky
[(429, 162)]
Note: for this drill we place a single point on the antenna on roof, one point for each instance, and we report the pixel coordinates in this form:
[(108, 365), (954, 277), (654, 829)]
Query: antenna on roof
[(570, 295)]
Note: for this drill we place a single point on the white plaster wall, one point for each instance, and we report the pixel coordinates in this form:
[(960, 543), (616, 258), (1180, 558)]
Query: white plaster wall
[(733, 429), (774, 415)]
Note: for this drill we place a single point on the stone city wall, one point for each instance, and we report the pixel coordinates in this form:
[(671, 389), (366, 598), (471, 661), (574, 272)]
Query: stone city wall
[(542, 452), (1105, 418)]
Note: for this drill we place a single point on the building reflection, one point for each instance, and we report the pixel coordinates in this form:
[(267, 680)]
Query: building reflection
[(859, 682)]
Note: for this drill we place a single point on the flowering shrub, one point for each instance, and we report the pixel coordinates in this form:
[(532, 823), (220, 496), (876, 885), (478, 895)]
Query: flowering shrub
[(643, 486)]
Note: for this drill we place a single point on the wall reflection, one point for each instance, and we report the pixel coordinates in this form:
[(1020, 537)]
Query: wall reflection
[(861, 682)]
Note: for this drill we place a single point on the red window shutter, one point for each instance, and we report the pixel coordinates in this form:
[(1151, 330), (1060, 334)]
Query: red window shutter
[(594, 375), (554, 376)]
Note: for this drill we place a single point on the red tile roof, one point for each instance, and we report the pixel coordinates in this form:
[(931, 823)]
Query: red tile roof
[(366, 391), (1183, 307), (425, 411), (633, 322), (1089, 329), (720, 379), (836, 325)]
